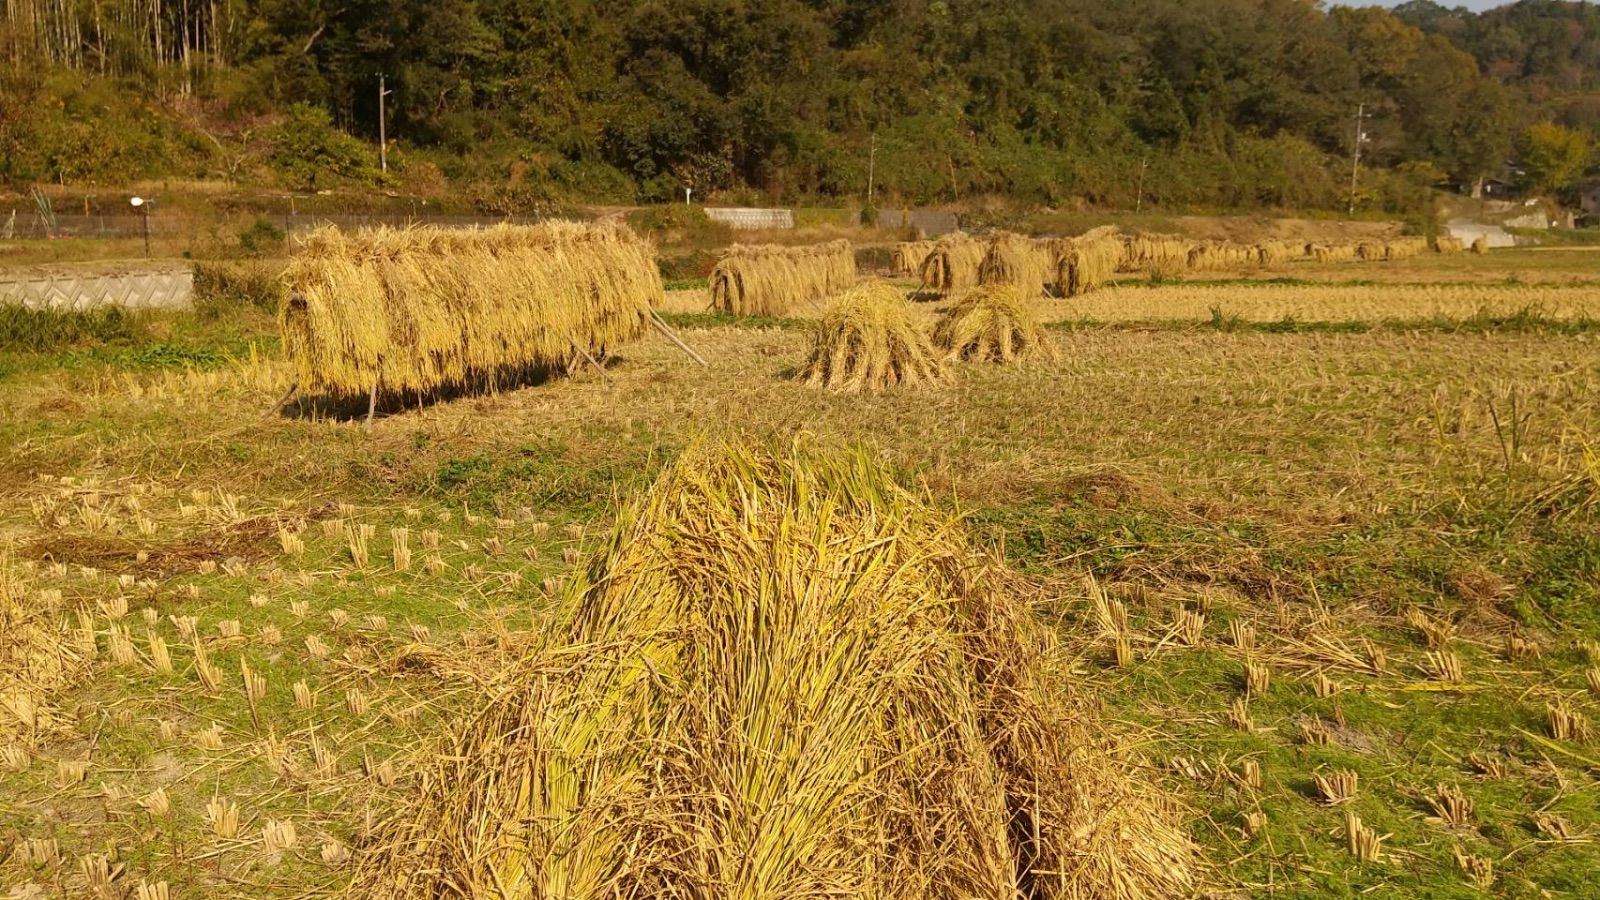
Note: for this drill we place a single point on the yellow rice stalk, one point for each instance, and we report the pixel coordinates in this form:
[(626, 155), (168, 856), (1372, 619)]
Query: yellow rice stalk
[(1223, 256), (1087, 261), (1372, 251), (772, 280), (1157, 253), (993, 324), (1448, 246), (786, 677), (425, 308), (953, 263), (867, 341), (40, 655), (1271, 253), (1480, 247), (910, 255), (1018, 261)]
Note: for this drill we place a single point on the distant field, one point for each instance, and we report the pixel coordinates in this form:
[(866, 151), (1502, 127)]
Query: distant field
[(1399, 523)]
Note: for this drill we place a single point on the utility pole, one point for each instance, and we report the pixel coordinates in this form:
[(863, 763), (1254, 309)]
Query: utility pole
[(1138, 204), (383, 133), (872, 166), (1355, 168)]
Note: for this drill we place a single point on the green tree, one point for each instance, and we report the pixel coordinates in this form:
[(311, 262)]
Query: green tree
[(1555, 157), (308, 150)]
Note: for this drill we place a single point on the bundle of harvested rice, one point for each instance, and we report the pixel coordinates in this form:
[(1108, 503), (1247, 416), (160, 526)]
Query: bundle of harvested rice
[(867, 341), (1333, 253), (772, 280), (1405, 248), (40, 655), (953, 263), (1018, 261), (1157, 253), (1447, 245), (1087, 261), (1222, 256), (1273, 252), (910, 255), (422, 308), (993, 324), (787, 677), (1372, 251), (1480, 247)]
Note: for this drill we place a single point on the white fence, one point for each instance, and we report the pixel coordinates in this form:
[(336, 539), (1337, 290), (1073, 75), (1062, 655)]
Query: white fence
[(748, 219)]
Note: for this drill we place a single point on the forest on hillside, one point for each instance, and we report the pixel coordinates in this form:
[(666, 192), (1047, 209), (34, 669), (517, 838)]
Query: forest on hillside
[(1222, 103)]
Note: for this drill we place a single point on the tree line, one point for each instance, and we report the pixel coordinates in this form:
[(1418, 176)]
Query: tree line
[(1236, 103)]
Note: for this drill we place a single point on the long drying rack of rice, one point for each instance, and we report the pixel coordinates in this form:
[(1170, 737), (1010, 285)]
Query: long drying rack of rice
[(868, 341), (1019, 261), (769, 280), (953, 263), (910, 255), (1447, 245), (995, 324), (1223, 256), (419, 309), (786, 677), (1157, 253), (1088, 261), (1274, 252), (1405, 248)]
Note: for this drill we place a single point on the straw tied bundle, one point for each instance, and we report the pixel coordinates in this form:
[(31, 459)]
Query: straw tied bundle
[(953, 263), (772, 280), (910, 255), (423, 308), (787, 677), (868, 341), (1087, 261)]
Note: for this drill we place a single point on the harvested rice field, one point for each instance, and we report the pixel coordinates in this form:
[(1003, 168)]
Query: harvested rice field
[(1266, 590)]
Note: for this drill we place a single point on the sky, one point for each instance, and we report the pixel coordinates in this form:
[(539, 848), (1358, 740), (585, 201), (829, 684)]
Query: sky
[(1479, 5)]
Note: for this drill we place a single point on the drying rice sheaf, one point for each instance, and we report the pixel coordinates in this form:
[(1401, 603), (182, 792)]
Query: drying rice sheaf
[(1018, 261), (1333, 253), (423, 308), (1087, 261), (910, 255), (1448, 245), (868, 341), (787, 677), (1221, 256), (1157, 253), (1480, 246), (1272, 252), (771, 280), (993, 324), (1405, 248), (39, 656), (953, 263)]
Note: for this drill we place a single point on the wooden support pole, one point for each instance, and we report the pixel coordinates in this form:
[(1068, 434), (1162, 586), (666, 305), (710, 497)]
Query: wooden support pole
[(662, 327), (283, 401), (604, 375)]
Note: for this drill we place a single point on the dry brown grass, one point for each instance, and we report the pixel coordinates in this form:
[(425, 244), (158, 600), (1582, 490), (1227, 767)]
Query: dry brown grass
[(41, 654), (869, 341), (771, 280), (423, 308), (784, 632)]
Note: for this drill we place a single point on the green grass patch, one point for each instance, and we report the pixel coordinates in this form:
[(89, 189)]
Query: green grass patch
[(37, 330)]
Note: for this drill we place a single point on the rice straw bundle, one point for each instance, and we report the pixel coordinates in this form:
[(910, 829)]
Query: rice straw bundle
[(786, 677), (1448, 246), (771, 280), (39, 659), (1222, 256), (1371, 251), (910, 255), (953, 263), (1087, 261), (867, 341), (1333, 253), (422, 308), (1019, 261), (994, 323), (1272, 252), (1405, 248), (1480, 246), (1157, 253)]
